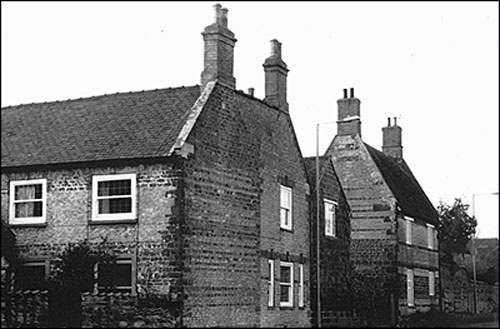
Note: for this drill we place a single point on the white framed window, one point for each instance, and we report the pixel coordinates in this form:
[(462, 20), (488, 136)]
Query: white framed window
[(270, 284), (432, 284), (430, 236), (286, 284), (28, 201), (409, 229), (117, 276), (410, 287), (114, 197), (285, 207), (301, 285), (330, 217)]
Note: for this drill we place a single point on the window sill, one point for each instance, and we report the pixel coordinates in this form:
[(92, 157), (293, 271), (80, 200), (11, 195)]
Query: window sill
[(112, 221), (27, 225), (289, 230), (286, 308)]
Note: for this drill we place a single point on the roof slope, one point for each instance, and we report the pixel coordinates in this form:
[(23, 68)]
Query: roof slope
[(410, 196), (109, 127)]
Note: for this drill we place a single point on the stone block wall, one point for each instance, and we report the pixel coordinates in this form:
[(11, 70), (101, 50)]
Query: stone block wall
[(373, 247), (27, 309)]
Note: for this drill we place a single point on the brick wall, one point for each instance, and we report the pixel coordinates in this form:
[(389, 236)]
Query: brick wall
[(153, 240), (335, 264), (118, 310), (458, 292), (232, 216)]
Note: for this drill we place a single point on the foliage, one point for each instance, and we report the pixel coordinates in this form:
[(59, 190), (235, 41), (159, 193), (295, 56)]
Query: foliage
[(456, 229), (74, 267), (365, 288)]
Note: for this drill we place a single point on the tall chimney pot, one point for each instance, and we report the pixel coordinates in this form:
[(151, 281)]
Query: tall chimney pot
[(219, 51), (345, 93), (352, 92), (276, 72)]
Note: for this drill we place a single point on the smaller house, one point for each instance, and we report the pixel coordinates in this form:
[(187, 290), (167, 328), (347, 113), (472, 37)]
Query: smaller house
[(329, 208)]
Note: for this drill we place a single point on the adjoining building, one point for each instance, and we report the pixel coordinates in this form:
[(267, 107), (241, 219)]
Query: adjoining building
[(329, 209), (394, 225)]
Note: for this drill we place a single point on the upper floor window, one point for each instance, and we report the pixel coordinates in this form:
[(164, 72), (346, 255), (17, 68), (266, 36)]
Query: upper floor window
[(285, 207), (117, 276), (286, 284), (431, 237), (330, 219), (409, 229), (28, 199), (114, 197), (31, 276)]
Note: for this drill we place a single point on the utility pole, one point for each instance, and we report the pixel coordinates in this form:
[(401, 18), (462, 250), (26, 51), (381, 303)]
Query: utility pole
[(474, 247)]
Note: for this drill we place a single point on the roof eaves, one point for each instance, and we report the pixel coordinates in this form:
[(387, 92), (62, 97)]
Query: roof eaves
[(192, 116)]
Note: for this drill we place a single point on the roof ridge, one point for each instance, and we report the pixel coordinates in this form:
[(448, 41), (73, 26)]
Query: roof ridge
[(97, 96)]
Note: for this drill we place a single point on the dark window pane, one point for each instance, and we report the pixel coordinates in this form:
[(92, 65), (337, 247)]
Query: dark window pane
[(115, 206), (28, 192), (115, 187), (28, 209), (285, 274), (284, 293), (115, 277), (31, 277)]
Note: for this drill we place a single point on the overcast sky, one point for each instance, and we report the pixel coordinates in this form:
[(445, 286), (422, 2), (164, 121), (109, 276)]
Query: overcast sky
[(432, 65)]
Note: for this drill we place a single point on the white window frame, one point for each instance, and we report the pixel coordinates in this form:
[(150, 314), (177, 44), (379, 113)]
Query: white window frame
[(430, 236), (332, 220), (301, 285), (270, 285), (432, 283), (284, 225), (409, 229), (410, 287), (289, 302), (96, 179), (28, 220)]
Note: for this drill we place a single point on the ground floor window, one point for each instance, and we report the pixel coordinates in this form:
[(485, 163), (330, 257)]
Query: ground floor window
[(286, 284), (117, 276), (31, 275), (270, 285), (410, 287)]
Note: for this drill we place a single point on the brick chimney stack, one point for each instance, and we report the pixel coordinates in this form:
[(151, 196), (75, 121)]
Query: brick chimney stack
[(392, 142), (219, 51), (349, 121), (276, 72)]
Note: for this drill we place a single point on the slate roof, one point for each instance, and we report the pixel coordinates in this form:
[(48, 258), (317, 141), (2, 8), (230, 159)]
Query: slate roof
[(409, 194), (310, 164), (109, 127)]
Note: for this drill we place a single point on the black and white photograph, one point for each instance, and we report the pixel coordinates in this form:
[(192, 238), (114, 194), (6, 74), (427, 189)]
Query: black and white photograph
[(242, 164)]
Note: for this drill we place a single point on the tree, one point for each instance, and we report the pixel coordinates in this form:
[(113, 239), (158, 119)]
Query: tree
[(456, 229)]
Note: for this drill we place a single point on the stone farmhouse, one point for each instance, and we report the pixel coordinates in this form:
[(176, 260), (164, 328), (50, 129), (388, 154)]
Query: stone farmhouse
[(201, 192), (394, 225)]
